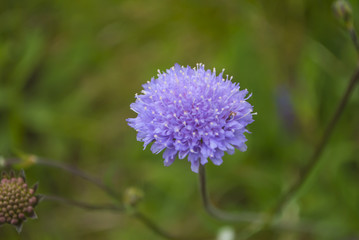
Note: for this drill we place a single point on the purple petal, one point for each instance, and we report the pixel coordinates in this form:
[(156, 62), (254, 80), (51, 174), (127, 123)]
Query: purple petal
[(195, 166), (217, 161), (169, 155)]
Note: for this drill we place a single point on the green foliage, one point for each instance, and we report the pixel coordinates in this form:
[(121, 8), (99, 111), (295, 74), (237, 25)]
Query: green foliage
[(70, 69)]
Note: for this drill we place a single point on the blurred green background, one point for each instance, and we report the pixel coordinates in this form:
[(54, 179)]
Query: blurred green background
[(69, 70)]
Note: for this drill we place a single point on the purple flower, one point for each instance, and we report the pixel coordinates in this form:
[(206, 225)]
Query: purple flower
[(192, 112)]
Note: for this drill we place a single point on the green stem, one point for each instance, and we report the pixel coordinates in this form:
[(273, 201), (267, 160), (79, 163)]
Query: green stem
[(77, 172), (109, 207), (83, 205), (217, 213), (315, 158), (354, 38), (64, 167), (115, 209), (312, 163), (155, 228), (256, 220)]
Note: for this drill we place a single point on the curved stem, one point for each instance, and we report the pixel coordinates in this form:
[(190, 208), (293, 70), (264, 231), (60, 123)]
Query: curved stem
[(219, 214), (67, 168), (354, 38), (8, 162), (257, 220), (87, 206), (84, 205), (150, 224), (313, 161), (115, 209), (77, 172)]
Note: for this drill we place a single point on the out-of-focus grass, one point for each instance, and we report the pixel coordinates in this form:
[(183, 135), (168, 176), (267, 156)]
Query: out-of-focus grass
[(70, 69)]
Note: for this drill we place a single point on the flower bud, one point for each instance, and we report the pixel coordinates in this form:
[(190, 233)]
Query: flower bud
[(133, 196), (343, 11)]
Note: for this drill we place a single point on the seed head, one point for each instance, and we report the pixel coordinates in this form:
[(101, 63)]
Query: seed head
[(17, 200)]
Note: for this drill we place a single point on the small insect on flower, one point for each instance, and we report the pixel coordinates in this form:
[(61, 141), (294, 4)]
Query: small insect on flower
[(231, 116), (193, 113)]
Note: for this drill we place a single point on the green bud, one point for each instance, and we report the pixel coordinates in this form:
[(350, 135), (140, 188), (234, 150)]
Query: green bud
[(26, 161), (343, 11), (133, 196)]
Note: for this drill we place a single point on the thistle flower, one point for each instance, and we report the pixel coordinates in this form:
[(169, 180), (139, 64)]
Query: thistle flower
[(192, 113), (17, 200)]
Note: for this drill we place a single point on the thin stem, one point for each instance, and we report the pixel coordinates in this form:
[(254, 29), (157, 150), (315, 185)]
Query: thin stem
[(84, 205), (77, 172), (354, 38), (255, 219), (219, 214), (258, 223), (8, 162), (148, 223), (109, 207), (155, 228), (67, 168), (115, 209), (313, 161)]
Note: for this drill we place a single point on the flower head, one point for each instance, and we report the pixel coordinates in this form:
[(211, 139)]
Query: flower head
[(192, 112), (17, 200)]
